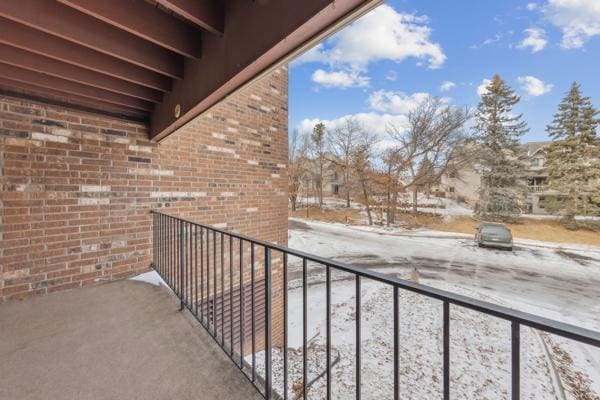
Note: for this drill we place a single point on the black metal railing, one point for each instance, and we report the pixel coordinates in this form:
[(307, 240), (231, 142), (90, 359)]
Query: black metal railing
[(192, 257)]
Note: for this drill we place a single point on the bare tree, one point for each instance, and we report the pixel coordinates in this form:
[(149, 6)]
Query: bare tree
[(297, 152), (426, 149), (318, 153), (342, 144), (391, 176), (362, 166)]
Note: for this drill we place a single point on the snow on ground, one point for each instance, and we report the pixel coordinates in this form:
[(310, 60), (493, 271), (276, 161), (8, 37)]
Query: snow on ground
[(150, 277), (480, 348), (548, 281), (331, 203), (437, 205)]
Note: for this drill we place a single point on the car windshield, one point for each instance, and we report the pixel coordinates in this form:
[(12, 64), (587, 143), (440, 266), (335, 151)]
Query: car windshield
[(496, 231)]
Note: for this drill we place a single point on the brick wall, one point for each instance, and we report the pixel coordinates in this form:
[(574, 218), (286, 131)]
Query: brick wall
[(77, 187)]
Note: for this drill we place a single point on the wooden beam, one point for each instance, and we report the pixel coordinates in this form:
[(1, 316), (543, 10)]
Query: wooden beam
[(207, 14), (17, 35), (140, 18), (37, 93), (34, 62), (259, 36), (65, 86), (69, 24)]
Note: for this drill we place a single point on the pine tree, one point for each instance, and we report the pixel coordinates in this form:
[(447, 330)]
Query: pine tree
[(573, 159), (497, 134)]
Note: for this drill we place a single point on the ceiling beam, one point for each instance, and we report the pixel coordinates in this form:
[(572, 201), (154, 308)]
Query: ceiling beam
[(69, 24), (34, 62), (207, 14), (247, 49), (65, 86), (17, 35), (19, 89), (140, 18)]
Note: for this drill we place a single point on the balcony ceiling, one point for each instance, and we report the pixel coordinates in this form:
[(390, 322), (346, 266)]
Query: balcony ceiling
[(162, 61)]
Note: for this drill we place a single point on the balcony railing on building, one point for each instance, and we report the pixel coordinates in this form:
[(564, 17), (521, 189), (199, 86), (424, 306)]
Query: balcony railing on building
[(537, 188), (237, 287)]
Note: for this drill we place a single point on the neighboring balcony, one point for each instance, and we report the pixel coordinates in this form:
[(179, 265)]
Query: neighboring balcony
[(537, 188)]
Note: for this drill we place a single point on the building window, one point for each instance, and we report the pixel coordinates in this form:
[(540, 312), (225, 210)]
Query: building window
[(541, 202), (451, 189), (336, 189)]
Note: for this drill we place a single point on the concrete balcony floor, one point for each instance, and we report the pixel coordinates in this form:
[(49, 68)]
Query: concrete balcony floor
[(119, 340)]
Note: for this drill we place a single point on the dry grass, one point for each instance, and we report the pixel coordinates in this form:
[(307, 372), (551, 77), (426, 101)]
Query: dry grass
[(546, 230)]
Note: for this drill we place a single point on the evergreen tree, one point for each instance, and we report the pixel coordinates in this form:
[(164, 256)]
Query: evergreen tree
[(497, 134), (573, 159)]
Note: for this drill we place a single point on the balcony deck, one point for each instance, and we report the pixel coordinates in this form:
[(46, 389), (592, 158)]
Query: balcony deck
[(119, 340)]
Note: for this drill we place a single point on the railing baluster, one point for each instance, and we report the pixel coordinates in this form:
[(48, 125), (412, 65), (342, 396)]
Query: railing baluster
[(396, 347), (231, 295), (285, 326), (515, 360), (181, 264), (358, 339), (208, 300), (202, 275), (304, 327), (242, 304), (446, 350), (328, 327), (186, 277), (215, 295), (191, 265), (253, 312), (222, 291), (268, 382), (196, 266), (159, 243)]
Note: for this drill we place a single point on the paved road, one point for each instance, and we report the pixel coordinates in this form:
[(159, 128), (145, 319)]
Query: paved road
[(559, 283)]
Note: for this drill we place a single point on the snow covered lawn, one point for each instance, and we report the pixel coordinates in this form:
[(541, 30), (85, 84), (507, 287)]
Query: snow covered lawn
[(557, 282)]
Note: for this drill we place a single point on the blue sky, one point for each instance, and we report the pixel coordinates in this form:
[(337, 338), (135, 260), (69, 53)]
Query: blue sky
[(403, 51)]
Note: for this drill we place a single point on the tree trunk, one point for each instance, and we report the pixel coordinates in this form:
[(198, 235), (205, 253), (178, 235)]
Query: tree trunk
[(387, 211), (394, 205), (366, 195), (293, 199), (415, 201)]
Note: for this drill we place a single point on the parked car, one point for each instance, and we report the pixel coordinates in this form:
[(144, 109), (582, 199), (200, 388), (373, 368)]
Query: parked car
[(494, 235)]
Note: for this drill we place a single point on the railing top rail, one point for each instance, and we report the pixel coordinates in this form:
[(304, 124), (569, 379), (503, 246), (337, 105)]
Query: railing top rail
[(534, 321)]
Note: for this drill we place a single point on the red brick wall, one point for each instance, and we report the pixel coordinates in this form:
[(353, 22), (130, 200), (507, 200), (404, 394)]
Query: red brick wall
[(77, 187)]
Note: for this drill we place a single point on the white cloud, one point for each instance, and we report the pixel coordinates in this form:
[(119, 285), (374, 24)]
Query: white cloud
[(395, 102), (491, 40), (382, 34), (374, 123), (535, 38), (534, 86), (579, 20), (391, 75), (447, 85), (340, 79), (482, 88), (532, 6)]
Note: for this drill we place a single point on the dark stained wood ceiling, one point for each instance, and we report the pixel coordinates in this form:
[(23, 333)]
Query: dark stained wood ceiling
[(141, 59)]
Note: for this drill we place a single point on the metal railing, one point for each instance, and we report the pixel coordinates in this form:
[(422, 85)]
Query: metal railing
[(537, 188), (185, 253)]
